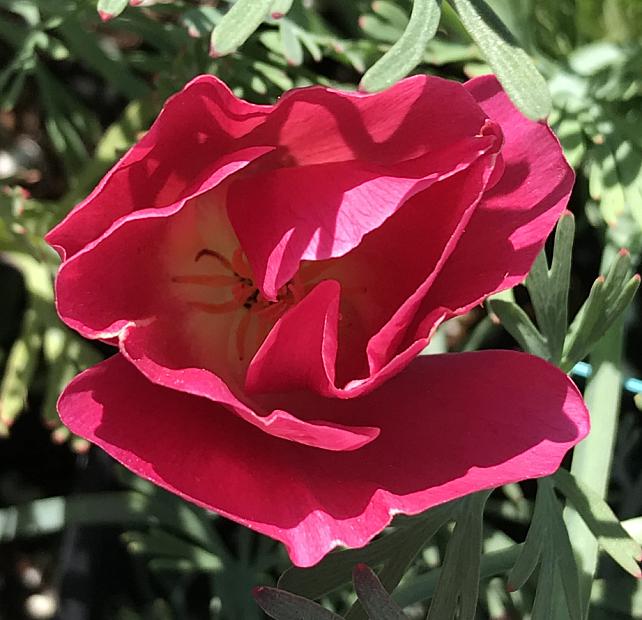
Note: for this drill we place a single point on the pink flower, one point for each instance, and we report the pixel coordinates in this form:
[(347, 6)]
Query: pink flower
[(268, 272)]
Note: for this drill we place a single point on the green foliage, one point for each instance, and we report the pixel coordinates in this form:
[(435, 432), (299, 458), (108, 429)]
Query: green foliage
[(577, 59), (407, 51), (393, 552), (547, 545), (558, 342), (513, 66)]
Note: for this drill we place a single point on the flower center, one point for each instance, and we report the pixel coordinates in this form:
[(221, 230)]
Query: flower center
[(235, 286)]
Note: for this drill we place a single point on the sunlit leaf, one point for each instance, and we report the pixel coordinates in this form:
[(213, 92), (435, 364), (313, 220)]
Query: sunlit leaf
[(19, 369), (108, 9), (519, 325), (290, 42), (391, 12), (601, 520), (607, 300), (548, 545), (237, 25), (513, 66), (407, 52), (548, 288), (280, 8)]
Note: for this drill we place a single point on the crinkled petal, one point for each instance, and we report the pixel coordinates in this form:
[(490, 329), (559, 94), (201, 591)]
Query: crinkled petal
[(320, 125), (300, 351), (181, 155), (450, 425), (166, 362), (383, 283), (514, 218), (323, 211)]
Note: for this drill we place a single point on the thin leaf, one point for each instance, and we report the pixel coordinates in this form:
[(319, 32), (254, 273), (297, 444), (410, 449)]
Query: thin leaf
[(282, 605), (280, 8), (458, 586), (531, 554), (416, 589), (158, 543), (406, 549), (200, 21), (560, 548), (373, 596), (513, 66), (391, 12), (237, 25), (290, 42), (607, 300), (548, 289), (408, 51), (602, 522), (336, 568), (378, 29), (46, 516), (20, 368), (108, 9), (519, 325)]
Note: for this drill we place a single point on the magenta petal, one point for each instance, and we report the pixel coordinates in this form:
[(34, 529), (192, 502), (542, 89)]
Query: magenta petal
[(301, 349), (291, 214), (450, 425), (319, 125), (194, 136), (515, 217), (140, 345)]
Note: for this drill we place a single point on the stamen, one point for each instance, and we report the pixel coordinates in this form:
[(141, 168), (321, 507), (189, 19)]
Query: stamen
[(240, 264), (246, 297), (252, 299), (219, 257)]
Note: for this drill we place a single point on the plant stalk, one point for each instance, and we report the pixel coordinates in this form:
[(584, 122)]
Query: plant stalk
[(592, 459)]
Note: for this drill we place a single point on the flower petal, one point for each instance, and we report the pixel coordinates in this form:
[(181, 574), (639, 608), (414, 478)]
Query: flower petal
[(451, 425), (514, 218), (383, 282), (301, 349), (315, 212), (317, 125), (159, 358), (183, 154)]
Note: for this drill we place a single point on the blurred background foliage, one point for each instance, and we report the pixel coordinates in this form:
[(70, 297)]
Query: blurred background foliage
[(80, 81)]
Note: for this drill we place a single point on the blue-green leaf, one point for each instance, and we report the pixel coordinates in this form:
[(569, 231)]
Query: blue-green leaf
[(282, 605), (237, 25), (408, 51), (373, 596), (280, 8), (513, 66), (336, 568), (108, 9), (601, 520)]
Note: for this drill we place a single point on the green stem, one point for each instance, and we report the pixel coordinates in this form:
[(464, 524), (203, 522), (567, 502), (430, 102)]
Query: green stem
[(592, 459)]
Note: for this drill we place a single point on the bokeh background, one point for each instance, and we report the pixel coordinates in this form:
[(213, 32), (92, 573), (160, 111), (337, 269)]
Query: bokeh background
[(75, 92)]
